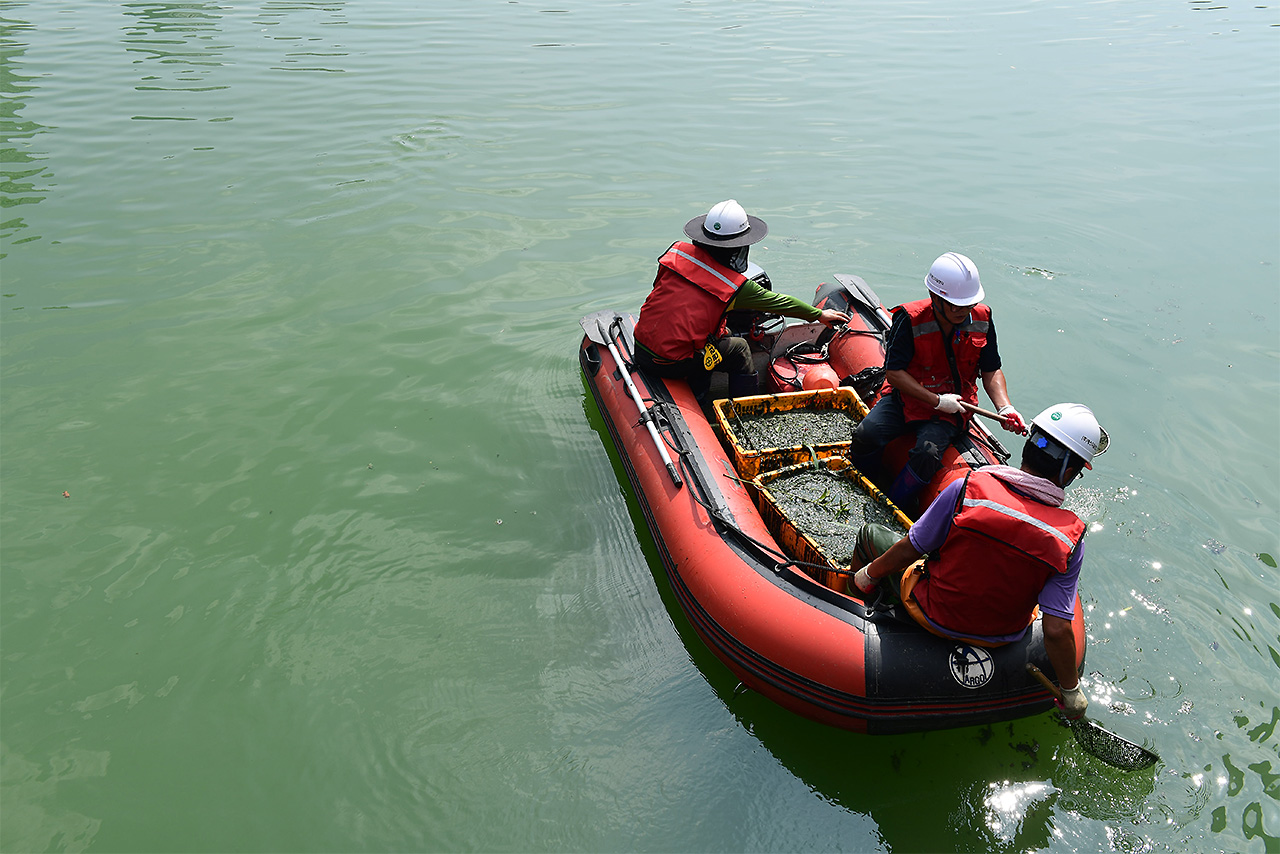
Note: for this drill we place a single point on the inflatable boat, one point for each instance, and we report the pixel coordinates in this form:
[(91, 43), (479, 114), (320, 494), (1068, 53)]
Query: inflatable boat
[(785, 626)]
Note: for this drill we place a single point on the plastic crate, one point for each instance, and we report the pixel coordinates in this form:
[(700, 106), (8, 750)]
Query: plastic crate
[(821, 566), (752, 461)]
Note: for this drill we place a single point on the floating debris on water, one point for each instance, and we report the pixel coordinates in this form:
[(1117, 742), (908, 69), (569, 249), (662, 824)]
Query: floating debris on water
[(791, 428), (829, 508), (1036, 271)]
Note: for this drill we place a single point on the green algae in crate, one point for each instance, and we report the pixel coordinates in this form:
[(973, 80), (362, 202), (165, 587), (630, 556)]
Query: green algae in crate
[(771, 431), (815, 512)]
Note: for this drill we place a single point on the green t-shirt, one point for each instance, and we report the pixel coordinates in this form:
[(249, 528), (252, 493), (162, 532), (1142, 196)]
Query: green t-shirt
[(753, 297)]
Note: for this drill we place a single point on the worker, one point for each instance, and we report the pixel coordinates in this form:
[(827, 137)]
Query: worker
[(681, 332), (999, 544), (935, 352)]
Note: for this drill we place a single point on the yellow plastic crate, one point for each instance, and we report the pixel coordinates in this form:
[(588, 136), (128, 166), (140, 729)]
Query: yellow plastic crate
[(801, 546), (752, 461)]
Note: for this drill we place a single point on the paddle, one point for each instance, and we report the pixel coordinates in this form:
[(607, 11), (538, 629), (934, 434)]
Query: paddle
[(600, 336), (861, 291), (1112, 749)]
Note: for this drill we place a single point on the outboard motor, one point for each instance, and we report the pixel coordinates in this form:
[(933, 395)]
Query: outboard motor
[(750, 324)]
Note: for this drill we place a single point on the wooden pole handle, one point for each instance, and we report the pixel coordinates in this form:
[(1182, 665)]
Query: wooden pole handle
[(978, 410), (1044, 680)]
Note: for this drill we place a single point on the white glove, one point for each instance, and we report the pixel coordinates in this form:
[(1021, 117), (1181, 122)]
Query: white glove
[(949, 403), (1074, 702), (863, 581)]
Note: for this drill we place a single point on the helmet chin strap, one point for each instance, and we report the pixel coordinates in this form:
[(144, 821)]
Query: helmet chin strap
[(1063, 480)]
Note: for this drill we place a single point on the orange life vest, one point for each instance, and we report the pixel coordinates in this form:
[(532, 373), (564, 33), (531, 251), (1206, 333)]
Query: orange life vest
[(687, 305), (929, 363), (1002, 548)]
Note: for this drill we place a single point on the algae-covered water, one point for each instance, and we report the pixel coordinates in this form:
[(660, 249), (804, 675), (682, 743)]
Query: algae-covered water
[(309, 535)]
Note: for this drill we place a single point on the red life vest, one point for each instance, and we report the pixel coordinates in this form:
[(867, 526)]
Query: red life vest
[(687, 305), (1002, 548), (929, 361)]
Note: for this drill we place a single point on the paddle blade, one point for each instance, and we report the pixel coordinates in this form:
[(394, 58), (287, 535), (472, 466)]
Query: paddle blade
[(595, 325), (1112, 749), (1105, 745)]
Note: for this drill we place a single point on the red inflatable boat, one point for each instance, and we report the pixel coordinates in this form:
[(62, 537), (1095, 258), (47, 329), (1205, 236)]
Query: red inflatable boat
[(805, 645)]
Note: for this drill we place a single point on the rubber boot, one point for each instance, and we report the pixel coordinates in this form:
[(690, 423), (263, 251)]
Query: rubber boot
[(904, 489), (743, 385), (871, 541)]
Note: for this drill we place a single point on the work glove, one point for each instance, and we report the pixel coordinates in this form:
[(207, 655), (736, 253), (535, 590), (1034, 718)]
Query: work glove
[(949, 403), (1073, 704), (864, 582), (1013, 422)]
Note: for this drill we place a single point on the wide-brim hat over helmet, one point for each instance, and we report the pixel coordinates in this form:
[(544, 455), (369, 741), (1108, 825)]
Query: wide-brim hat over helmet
[(727, 225)]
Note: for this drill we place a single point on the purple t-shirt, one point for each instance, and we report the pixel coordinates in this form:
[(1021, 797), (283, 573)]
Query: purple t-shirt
[(1058, 597)]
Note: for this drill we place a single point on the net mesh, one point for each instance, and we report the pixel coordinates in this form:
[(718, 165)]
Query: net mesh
[(1111, 748)]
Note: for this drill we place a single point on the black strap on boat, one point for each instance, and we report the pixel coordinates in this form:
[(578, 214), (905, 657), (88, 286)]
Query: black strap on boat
[(882, 603), (994, 445), (618, 335)]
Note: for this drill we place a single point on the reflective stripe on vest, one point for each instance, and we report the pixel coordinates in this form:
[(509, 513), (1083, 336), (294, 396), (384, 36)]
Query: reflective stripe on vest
[(728, 282), (1021, 517), (1001, 550), (929, 365), (687, 305), (932, 326)]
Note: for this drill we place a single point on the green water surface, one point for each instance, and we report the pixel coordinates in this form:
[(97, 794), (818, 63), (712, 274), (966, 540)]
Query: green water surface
[(310, 538)]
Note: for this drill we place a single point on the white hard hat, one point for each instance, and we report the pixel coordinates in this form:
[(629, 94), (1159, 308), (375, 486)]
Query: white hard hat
[(1073, 426), (726, 224), (955, 278)]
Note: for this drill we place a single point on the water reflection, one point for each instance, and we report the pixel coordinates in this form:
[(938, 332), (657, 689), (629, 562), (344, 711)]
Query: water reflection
[(309, 56), (1045, 781), (1007, 804), (889, 777), (180, 42), (23, 178), (881, 776)]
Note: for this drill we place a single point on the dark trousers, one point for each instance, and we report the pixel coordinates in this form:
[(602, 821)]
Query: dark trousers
[(885, 422), (736, 353)]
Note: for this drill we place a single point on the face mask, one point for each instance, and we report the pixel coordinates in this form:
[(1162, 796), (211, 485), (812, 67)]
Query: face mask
[(735, 259)]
